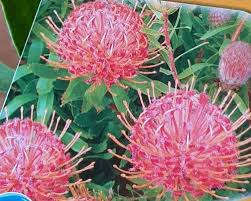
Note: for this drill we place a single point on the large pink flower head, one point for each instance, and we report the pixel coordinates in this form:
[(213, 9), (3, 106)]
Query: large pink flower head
[(34, 161), (102, 41), (184, 144), (219, 16), (235, 64)]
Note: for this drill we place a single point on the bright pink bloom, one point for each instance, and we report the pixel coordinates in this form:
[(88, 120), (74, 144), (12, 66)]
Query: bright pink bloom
[(102, 41), (235, 64), (181, 144), (33, 161), (185, 145), (218, 16)]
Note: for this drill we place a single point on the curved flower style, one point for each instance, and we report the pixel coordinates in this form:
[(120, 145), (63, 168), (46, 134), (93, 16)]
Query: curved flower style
[(185, 144), (34, 161), (80, 193), (219, 16), (235, 64), (101, 41)]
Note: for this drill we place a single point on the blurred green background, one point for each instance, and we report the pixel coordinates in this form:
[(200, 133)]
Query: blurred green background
[(20, 15)]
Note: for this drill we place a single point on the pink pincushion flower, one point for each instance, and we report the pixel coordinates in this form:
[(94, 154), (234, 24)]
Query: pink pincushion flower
[(34, 161), (184, 144), (218, 17), (235, 64), (179, 147), (102, 41)]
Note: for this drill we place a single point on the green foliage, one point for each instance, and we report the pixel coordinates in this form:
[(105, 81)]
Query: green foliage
[(93, 109), (6, 74)]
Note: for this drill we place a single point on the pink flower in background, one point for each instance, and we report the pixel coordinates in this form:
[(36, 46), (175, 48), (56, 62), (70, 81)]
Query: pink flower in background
[(34, 161), (102, 41), (219, 16), (235, 64)]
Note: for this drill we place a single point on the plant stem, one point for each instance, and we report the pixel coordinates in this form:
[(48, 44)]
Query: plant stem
[(239, 29), (169, 49)]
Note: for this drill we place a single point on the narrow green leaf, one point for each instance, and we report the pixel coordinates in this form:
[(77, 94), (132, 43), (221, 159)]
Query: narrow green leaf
[(44, 86), (165, 71), (22, 71), (38, 29), (143, 83), (238, 100), (30, 87), (45, 71), (45, 103), (6, 75), (17, 102), (36, 50), (192, 69), (221, 29), (119, 95), (64, 8), (190, 50), (186, 17)]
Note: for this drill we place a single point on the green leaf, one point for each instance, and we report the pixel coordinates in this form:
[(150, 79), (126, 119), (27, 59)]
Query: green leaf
[(75, 90), (190, 50), (22, 71), (45, 103), (6, 75), (38, 29), (86, 105), (192, 69), (154, 41), (45, 71), (30, 87), (221, 29), (165, 71), (44, 86), (86, 120), (99, 148), (95, 95), (242, 98), (186, 17), (143, 83), (152, 32), (36, 50), (78, 145), (20, 15), (119, 96), (225, 43), (238, 100), (17, 102), (64, 8)]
